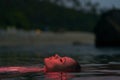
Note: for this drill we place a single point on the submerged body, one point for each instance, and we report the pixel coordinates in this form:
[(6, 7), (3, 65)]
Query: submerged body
[(14, 71), (20, 69), (52, 64)]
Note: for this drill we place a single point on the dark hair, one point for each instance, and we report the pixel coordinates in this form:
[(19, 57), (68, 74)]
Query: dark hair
[(77, 67), (74, 68)]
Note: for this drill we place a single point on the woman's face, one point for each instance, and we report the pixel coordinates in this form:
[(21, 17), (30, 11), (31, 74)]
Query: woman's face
[(57, 63)]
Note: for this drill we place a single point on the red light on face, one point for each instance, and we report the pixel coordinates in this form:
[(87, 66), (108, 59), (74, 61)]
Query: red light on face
[(57, 63)]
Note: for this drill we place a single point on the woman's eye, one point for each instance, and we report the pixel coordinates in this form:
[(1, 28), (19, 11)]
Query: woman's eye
[(61, 60)]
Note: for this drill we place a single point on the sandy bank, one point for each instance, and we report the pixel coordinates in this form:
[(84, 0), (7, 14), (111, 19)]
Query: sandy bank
[(32, 38)]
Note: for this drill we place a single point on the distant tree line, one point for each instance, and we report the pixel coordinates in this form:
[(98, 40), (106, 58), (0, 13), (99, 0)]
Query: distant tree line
[(42, 14)]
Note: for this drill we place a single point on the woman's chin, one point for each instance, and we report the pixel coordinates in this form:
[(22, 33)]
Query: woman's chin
[(46, 59)]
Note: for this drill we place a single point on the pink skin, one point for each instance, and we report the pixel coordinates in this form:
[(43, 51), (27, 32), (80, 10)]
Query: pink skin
[(20, 69), (57, 63)]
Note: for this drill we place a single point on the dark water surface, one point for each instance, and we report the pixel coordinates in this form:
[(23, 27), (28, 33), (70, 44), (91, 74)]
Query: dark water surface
[(97, 64)]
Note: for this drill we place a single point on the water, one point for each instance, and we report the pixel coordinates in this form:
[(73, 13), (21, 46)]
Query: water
[(100, 64)]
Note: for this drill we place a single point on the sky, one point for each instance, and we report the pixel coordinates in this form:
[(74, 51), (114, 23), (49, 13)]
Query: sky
[(107, 4)]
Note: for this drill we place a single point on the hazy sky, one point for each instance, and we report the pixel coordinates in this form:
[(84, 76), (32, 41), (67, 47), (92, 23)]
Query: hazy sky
[(103, 3), (108, 3)]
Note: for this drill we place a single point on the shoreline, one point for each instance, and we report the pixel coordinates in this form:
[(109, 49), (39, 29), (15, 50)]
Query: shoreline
[(44, 38)]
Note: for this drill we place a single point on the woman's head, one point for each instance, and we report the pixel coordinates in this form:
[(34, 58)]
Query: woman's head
[(58, 63)]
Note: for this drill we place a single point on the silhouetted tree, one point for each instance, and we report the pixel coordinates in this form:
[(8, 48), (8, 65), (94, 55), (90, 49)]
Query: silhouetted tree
[(36, 14)]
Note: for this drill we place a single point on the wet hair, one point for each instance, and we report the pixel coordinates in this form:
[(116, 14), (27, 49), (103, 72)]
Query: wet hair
[(77, 67), (74, 68)]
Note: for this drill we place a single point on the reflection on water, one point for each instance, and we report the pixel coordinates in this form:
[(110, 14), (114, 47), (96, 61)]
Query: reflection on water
[(59, 76), (89, 72), (97, 64)]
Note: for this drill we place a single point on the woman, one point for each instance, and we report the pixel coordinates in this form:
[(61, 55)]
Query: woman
[(52, 64), (57, 63)]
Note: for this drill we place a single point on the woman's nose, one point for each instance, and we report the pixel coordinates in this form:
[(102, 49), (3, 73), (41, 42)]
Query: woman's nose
[(57, 56)]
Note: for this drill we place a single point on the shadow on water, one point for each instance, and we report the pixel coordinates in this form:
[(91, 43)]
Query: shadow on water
[(100, 64)]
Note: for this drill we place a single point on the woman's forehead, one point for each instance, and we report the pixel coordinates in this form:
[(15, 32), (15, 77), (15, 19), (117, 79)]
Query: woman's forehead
[(68, 59)]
